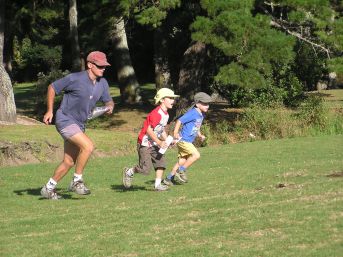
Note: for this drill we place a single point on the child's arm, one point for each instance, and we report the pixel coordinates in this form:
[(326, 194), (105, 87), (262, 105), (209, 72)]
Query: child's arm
[(164, 135), (176, 129), (154, 137), (202, 137)]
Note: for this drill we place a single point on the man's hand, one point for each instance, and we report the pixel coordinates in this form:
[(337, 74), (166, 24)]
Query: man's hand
[(110, 106), (48, 117), (110, 109)]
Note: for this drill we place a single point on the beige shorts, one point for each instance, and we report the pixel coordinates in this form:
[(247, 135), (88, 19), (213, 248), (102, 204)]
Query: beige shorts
[(186, 149)]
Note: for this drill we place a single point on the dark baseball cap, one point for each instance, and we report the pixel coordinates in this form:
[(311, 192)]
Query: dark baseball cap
[(202, 97)]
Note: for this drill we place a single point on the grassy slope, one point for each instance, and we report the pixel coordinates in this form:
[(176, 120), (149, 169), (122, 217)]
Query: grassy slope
[(270, 198)]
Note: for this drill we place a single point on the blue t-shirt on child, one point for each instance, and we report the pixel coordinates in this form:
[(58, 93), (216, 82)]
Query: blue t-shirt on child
[(191, 122)]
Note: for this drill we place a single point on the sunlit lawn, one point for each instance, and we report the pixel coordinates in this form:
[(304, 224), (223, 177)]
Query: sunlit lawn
[(267, 198)]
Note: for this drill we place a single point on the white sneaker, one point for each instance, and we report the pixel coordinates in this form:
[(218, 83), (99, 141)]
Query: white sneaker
[(127, 179), (161, 188), (79, 187), (181, 177), (49, 193)]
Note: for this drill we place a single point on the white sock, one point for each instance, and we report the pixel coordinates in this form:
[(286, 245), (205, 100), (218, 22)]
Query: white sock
[(157, 182), (130, 172), (77, 177), (51, 184)]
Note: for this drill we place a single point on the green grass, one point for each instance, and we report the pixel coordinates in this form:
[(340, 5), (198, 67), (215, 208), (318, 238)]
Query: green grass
[(107, 143), (266, 198), (25, 98)]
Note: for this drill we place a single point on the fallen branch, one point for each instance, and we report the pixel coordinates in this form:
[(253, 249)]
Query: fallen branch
[(298, 35)]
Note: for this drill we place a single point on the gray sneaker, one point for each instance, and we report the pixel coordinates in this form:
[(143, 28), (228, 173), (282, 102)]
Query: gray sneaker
[(168, 182), (49, 194), (161, 188), (127, 179), (79, 187), (181, 177)]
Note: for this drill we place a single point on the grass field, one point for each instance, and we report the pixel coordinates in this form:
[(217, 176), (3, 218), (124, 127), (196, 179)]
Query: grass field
[(266, 198)]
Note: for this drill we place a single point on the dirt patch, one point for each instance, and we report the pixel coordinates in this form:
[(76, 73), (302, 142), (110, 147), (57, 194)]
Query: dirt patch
[(12, 154), (336, 174), (23, 120)]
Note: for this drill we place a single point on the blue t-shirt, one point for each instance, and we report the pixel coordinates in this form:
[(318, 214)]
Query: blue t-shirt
[(80, 97), (191, 122)]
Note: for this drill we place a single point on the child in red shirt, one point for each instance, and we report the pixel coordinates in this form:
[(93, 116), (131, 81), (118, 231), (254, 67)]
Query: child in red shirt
[(150, 139)]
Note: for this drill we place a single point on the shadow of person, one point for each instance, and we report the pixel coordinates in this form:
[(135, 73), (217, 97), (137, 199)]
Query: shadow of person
[(121, 188), (28, 191), (36, 192)]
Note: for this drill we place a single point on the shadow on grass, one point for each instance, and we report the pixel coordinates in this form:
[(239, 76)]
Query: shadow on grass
[(122, 189), (36, 192)]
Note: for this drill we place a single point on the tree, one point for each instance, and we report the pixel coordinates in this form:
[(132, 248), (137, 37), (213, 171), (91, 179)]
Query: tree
[(318, 24), (162, 68), (74, 37), (7, 104), (154, 15), (129, 86), (192, 74), (254, 52), (39, 29)]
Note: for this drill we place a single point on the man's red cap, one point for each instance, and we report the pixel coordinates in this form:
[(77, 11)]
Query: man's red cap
[(99, 58)]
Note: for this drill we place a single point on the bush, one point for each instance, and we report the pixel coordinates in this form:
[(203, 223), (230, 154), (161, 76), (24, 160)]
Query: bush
[(31, 59), (313, 112), (267, 123), (311, 118)]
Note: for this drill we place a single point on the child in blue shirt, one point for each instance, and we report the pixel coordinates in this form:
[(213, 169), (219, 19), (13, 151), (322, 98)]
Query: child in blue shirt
[(191, 122)]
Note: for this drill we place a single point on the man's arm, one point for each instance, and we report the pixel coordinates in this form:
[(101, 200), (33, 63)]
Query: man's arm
[(50, 105), (110, 106)]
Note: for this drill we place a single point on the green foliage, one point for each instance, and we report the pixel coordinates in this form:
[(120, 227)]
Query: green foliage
[(336, 64), (265, 123), (150, 13), (311, 118), (308, 66), (254, 53), (286, 90), (34, 58), (313, 111), (319, 22), (38, 38)]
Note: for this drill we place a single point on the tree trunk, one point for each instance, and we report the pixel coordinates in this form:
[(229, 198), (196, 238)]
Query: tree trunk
[(129, 87), (7, 104), (162, 69), (74, 37), (191, 76)]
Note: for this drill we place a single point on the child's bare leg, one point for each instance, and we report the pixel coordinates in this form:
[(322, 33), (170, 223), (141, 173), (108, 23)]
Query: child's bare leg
[(190, 160), (179, 163), (159, 173)]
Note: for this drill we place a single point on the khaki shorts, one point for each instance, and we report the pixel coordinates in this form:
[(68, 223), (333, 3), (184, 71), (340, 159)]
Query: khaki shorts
[(149, 157), (186, 149)]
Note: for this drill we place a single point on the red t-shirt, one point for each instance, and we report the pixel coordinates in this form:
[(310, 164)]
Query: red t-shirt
[(157, 119)]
